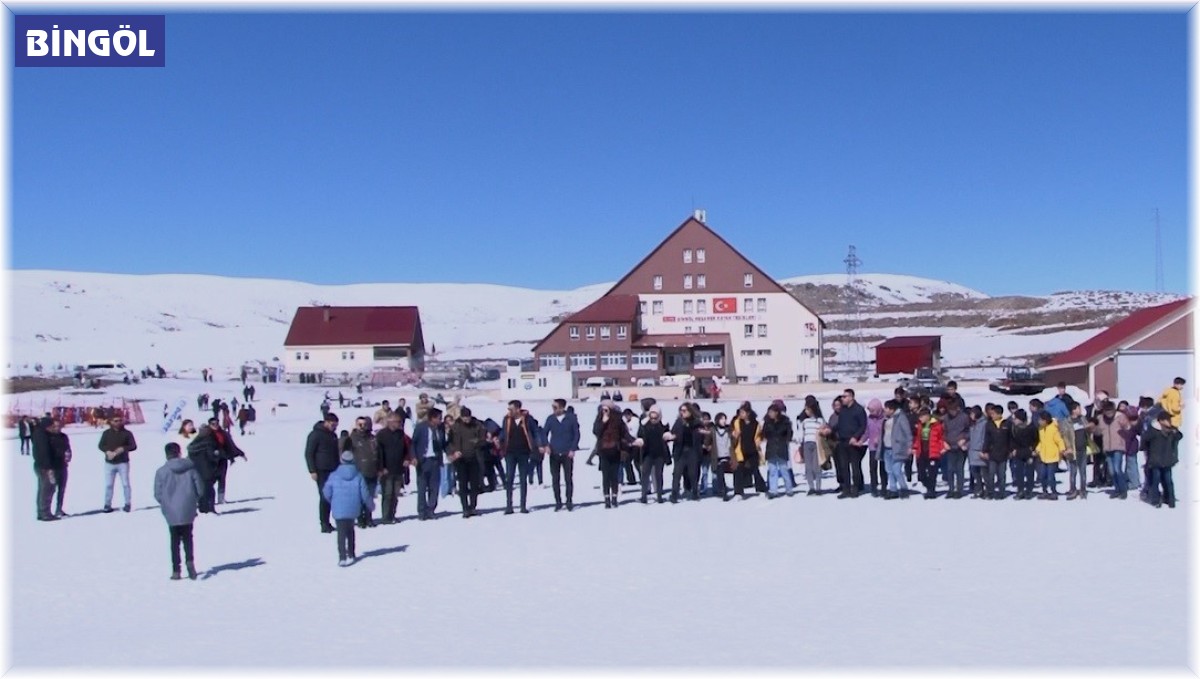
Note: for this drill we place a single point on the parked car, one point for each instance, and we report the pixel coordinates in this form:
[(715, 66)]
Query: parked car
[(600, 382), (646, 382)]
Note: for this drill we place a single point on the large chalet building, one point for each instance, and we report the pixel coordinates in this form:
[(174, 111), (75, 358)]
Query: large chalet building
[(695, 306)]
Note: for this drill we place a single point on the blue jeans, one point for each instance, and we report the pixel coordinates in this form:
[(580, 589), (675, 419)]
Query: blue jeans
[(447, 483), (895, 470), (429, 477), (1116, 463), (1161, 476), (705, 470), (779, 470), (111, 471), (1049, 481), (1133, 477), (1023, 475), (1077, 468)]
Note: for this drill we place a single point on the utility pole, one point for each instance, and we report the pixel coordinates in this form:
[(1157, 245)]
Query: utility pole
[(856, 358)]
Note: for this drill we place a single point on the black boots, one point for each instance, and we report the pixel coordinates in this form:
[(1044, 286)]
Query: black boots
[(191, 570)]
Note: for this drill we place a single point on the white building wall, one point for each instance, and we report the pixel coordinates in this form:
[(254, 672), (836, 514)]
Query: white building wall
[(794, 335), (328, 359), (541, 385)]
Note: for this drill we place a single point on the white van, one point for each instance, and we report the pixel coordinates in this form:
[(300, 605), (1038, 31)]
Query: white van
[(106, 369), (600, 382)]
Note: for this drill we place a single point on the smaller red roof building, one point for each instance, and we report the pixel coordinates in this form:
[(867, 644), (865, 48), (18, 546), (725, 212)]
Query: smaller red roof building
[(353, 339), (908, 353)]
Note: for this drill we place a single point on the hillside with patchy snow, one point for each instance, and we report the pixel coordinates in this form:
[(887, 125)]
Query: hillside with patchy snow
[(193, 321)]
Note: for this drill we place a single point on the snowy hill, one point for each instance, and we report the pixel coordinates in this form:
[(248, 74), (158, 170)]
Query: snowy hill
[(193, 321)]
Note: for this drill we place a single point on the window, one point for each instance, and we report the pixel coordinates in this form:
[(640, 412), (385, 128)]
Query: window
[(701, 281), (687, 329), (343, 355), (351, 355), (747, 306), (762, 305), (642, 307), (687, 282), (605, 333), (583, 361), (390, 353), (645, 360), (708, 358), (762, 329), (747, 352), (552, 361), (699, 255), (687, 256), (622, 332), (749, 331), (808, 352), (512, 384), (771, 379), (297, 355), (764, 352), (658, 307), (574, 332), (687, 306), (658, 282), (591, 332), (700, 330), (702, 306), (613, 360), (306, 355), (748, 280)]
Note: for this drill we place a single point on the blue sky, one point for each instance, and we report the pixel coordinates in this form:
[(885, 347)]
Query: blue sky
[(1013, 153)]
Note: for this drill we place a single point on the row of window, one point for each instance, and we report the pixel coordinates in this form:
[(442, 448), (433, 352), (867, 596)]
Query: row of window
[(605, 332), (346, 355), (748, 330), (700, 281), (700, 306), (759, 352), (610, 360), (687, 255)]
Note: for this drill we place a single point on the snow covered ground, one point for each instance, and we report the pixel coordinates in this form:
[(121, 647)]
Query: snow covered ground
[(792, 583)]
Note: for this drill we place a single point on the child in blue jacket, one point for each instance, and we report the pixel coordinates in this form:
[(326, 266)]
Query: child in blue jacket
[(347, 494)]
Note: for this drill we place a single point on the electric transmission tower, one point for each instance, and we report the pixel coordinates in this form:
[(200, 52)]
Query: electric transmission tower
[(856, 358), (1159, 285)]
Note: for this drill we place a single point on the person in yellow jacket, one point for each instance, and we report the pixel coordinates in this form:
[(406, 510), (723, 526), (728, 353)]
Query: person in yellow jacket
[(745, 458), (1172, 401), (1050, 449)]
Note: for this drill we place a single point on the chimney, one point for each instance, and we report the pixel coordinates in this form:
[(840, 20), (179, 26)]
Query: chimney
[(326, 314), (699, 215)]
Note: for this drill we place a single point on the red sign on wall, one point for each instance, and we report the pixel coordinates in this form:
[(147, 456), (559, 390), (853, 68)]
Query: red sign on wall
[(724, 305)]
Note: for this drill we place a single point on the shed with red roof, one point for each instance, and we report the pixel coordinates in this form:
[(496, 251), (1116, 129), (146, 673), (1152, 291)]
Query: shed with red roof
[(353, 340)]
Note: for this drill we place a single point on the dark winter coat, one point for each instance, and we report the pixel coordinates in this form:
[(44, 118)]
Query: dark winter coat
[(202, 451), (1024, 440), (178, 489), (43, 457), (393, 449), (776, 434), (1162, 447), (851, 423), (60, 449), (613, 435), (347, 494), (687, 437), (998, 440), (321, 450), (366, 454), (468, 438), (112, 439), (651, 434)]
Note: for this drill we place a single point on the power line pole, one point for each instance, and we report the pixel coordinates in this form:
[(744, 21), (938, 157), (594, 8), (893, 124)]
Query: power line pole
[(853, 262), (1159, 284)]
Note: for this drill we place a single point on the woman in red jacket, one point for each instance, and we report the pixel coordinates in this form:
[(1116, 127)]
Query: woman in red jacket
[(927, 449)]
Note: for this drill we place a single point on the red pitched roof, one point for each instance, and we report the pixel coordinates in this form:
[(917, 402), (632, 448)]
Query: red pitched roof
[(1118, 334), (910, 341), (613, 308), (354, 325), (682, 341)]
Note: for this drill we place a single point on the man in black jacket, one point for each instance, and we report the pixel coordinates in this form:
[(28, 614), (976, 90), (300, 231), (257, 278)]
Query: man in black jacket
[(43, 466), (368, 461), (393, 449), (465, 448), (60, 455), (202, 451), (321, 455), (116, 443), (851, 432)]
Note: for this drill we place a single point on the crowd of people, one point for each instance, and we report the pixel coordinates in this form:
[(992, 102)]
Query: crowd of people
[(972, 449)]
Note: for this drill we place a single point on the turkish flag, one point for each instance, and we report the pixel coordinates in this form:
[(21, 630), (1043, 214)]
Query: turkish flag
[(724, 305)]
